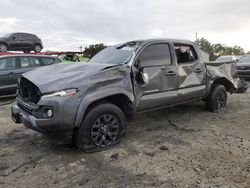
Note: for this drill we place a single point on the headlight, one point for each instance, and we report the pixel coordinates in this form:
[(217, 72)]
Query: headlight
[(64, 93)]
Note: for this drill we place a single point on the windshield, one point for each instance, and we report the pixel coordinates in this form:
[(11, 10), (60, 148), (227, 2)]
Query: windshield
[(245, 59), (224, 58), (115, 54)]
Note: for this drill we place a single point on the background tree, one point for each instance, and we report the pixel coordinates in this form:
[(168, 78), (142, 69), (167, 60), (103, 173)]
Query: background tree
[(206, 46), (237, 50), (93, 49), (216, 50)]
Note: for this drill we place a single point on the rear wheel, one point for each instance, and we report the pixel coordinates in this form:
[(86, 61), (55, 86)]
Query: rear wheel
[(217, 98), (3, 47), (37, 48), (102, 128)]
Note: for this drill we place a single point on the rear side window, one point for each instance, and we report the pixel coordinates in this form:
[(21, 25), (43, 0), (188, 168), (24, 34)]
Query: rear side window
[(19, 36), (185, 53), (27, 36), (46, 60), (7, 63), (156, 55), (29, 62)]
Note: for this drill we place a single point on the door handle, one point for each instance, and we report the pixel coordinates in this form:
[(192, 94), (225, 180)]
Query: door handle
[(10, 73), (170, 73), (198, 71)]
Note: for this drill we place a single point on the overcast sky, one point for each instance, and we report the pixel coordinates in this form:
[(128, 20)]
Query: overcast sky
[(66, 25)]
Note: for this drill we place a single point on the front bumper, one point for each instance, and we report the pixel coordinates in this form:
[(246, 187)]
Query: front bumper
[(60, 127)]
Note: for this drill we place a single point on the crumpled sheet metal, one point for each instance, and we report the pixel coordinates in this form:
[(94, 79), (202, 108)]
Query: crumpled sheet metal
[(226, 70), (63, 76), (188, 77)]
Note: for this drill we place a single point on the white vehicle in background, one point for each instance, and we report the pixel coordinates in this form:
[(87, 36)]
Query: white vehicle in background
[(227, 58)]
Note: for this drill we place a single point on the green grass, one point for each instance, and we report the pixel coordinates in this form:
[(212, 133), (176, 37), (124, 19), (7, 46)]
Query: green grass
[(83, 59)]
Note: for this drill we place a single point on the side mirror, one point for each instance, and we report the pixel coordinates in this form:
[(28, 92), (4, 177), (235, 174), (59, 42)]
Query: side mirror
[(142, 77), (138, 65), (14, 37), (235, 61), (145, 78)]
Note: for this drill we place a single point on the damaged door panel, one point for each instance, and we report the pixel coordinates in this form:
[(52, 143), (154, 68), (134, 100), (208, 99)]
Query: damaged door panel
[(91, 102), (157, 63), (191, 72)]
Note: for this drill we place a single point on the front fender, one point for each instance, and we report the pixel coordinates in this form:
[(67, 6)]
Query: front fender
[(98, 95)]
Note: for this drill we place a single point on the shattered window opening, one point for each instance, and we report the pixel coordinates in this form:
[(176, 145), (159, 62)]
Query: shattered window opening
[(185, 53)]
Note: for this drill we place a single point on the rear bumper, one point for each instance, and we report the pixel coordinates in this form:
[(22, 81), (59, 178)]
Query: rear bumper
[(44, 126)]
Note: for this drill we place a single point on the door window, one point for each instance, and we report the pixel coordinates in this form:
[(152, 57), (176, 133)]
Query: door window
[(29, 62), (7, 63), (16, 36), (156, 55), (46, 61), (185, 53)]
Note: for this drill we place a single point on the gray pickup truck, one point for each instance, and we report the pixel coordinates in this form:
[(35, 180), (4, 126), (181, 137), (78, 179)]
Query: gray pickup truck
[(90, 103)]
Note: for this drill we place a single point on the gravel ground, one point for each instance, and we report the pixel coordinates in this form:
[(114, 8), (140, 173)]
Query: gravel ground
[(183, 146)]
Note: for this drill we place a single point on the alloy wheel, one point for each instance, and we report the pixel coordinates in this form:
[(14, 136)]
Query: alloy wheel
[(37, 48), (105, 130), (221, 100), (3, 48)]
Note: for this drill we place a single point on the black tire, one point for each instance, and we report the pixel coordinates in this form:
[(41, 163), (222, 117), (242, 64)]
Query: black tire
[(37, 48), (3, 47), (93, 131), (217, 99)]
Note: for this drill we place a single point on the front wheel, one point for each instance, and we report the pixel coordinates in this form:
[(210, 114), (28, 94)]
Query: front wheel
[(102, 128), (217, 98)]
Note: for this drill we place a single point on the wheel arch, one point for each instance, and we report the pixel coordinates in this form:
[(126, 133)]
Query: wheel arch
[(2, 42), (225, 82), (117, 96), (37, 43)]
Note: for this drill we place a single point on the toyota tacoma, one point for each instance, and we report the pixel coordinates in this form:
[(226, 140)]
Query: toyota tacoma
[(90, 103)]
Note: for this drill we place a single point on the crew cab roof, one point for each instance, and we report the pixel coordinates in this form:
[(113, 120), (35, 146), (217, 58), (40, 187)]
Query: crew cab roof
[(165, 40)]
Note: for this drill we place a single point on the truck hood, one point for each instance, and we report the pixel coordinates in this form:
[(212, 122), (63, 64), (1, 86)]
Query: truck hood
[(63, 76)]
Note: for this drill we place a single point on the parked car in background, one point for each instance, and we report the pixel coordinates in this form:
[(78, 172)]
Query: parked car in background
[(12, 66), (227, 58), (25, 42), (243, 67)]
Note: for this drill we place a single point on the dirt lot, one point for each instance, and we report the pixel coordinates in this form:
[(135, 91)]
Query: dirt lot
[(183, 146)]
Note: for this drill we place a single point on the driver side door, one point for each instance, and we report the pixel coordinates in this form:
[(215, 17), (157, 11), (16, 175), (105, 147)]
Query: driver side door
[(156, 60)]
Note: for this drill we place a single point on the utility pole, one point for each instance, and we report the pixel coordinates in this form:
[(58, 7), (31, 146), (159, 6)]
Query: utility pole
[(80, 48), (196, 36)]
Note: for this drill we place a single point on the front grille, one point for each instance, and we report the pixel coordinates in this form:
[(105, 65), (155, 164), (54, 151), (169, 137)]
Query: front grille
[(26, 109), (243, 68), (28, 91), (247, 73)]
